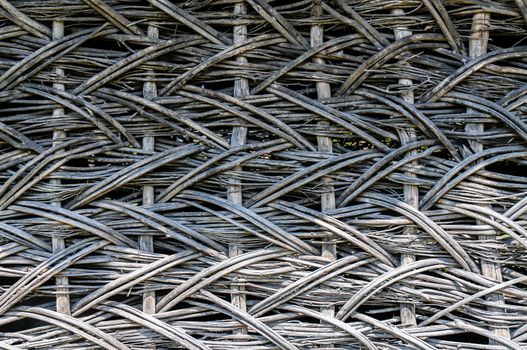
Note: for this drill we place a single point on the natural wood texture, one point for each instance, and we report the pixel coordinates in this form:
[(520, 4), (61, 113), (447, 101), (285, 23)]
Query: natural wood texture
[(478, 45), (146, 242), (238, 138), (59, 135), (410, 191), (325, 147), (217, 174)]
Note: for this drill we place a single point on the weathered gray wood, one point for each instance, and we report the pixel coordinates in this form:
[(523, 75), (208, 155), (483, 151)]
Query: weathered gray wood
[(58, 243), (411, 192), (146, 242), (325, 145), (182, 173), (234, 190), (478, 44)]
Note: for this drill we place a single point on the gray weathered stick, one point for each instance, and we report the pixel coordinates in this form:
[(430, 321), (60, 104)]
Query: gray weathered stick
[(146, 242), (238, 138), (63, 298), (478, 44), (411, 192), (325, 146)]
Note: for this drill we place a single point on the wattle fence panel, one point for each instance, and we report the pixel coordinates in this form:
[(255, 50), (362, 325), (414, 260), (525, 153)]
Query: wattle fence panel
[(263, 174)]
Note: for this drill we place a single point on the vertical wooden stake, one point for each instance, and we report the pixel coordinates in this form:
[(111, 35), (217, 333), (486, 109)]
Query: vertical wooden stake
[(58, 243), (325, 144), (146, 242), (478, 46), (238, 138), (411, 192)]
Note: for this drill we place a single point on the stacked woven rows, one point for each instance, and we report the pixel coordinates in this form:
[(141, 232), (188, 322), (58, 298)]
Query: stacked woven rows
[(230, 174)]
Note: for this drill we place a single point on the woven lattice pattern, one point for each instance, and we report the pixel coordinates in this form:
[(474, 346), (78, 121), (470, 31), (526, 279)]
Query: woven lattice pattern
[(257, 174)]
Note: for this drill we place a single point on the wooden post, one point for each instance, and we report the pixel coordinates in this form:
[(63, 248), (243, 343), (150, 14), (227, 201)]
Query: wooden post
[(325, 144), (478, 46), (58, 243), (411, 192), (146, 242), (238, 138)]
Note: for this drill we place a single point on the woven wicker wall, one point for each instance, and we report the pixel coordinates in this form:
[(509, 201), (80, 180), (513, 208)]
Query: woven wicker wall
[(257, 174)]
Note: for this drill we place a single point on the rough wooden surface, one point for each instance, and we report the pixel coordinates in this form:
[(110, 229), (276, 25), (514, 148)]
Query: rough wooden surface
[(230, 174)]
